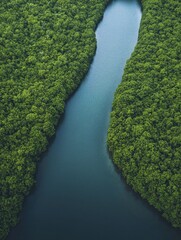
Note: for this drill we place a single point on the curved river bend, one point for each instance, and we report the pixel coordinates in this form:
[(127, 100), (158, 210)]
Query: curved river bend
[(79, 195)]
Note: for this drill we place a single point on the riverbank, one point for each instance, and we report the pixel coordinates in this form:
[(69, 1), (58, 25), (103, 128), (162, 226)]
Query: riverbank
[(78, 194), (144, 130), (47, 48)]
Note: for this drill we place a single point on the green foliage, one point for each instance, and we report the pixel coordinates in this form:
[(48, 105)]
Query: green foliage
[(46, 49), (144, 135)]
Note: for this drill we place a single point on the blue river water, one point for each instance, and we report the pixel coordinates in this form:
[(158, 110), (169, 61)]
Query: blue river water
[(79, 195)]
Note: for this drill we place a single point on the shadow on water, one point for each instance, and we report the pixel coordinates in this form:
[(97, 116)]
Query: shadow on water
[(136, 195), (145, 203)]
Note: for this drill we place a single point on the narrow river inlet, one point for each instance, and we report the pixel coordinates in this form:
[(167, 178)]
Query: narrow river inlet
[(78, 194)]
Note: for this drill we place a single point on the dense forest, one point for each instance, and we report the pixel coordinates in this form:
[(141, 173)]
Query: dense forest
[(145, 135), (46, 49)]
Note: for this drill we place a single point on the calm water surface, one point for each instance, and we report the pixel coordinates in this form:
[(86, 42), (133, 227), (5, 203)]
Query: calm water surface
[(79, 195)]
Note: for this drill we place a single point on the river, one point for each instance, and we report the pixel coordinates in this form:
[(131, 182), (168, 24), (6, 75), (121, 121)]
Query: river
[(79, 195)]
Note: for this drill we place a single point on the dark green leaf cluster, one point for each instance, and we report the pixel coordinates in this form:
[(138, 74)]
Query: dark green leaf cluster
[(46, 49), (145, 135)]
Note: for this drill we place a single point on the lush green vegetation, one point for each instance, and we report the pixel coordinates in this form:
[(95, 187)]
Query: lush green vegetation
[(144, 135), (46, 49)]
